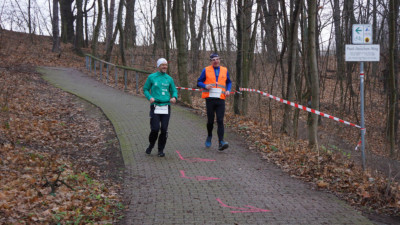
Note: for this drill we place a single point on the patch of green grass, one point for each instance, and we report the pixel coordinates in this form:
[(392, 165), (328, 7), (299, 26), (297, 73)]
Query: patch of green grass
[(79, 217), (243, 128), (33, 155), (274, 148), (89, 180), (341, 151), (72, 177)]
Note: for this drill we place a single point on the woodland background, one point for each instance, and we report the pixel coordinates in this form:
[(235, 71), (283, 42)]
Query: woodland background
[(291, 49)]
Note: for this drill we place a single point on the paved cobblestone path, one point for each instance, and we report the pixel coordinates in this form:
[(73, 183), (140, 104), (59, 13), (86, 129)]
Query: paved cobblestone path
[(199, 185)]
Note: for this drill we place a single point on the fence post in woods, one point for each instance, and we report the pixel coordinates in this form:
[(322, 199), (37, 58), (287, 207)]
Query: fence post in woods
[(137, 83), (116, 77), (89, 59), (362, 114), (360, 52), (101, 70), (108, 71), (125, 80)]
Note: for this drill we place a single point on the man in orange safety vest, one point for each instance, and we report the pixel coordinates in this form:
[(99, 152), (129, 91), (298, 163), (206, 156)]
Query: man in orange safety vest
[(216, 84)]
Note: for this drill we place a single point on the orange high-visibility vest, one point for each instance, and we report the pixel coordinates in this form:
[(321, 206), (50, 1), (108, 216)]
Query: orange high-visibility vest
[(211, 79)]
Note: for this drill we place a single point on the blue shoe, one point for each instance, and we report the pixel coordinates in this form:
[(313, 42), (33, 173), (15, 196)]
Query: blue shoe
[(223, 145), (208, 141)]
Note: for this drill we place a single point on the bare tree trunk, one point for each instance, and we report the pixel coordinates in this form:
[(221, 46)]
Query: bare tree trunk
[(168, 30), (86, 24), (159, 27), (285, 31), (109, 28), (180, 35), (292, 61), (67, 21), (393, 99), (302, 97), (56, 31), (78, 42), (196, 38), (30, 20), (121, 33), (97, 29), (186, 15), (245, 52), (313, 73), (221, 45), (239, 57), (194, 44), (211, 27), (270, 27), (228, 26), (130, 29), (340, 64), (348, 14)]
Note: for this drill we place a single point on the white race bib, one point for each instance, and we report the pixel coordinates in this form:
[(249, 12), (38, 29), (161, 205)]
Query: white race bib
[(161, 109), (215, 92)]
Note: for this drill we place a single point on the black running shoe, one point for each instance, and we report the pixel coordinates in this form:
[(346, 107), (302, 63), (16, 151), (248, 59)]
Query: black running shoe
[(223, 145), (148, 151)]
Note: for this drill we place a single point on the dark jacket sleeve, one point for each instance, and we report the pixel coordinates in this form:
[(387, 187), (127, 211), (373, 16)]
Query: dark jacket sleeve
[(202, 78)]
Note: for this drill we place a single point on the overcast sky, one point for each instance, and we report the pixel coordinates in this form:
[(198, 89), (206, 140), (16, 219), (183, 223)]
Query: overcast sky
[(13, 15)]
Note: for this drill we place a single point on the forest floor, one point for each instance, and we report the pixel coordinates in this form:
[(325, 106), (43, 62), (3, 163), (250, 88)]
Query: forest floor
[(46, 133), (60, 160)]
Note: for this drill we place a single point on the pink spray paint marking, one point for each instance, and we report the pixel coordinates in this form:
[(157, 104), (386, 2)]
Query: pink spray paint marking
[(199, 178), (249, 209), (194, 159)]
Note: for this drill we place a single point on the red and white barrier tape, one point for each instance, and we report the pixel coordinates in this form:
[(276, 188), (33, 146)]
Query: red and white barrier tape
[(358, 145), (197, 89), (288, 103), (190, 89), (301, 107)]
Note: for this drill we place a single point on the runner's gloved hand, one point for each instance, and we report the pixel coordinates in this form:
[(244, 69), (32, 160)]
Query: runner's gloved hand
[(209, 86)]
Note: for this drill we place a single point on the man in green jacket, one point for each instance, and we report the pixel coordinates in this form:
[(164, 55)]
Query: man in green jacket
[(160, 90)]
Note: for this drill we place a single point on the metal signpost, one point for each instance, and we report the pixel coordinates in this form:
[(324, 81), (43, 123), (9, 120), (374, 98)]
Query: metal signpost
[(362, 51)]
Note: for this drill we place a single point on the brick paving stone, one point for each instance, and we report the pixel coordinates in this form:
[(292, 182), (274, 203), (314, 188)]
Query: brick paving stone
[(159, 195)]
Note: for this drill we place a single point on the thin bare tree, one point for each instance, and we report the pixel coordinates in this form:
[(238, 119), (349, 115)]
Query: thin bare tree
[(228, 26), (109, 27), (292, 61), (211, 27), (56, 30), (121, 32), (313, 73), (67, 21), (180, 36), (393, 109), (245, 53), (159, 21), (96, 32), (78, 42), (130, 26), (195, 39)]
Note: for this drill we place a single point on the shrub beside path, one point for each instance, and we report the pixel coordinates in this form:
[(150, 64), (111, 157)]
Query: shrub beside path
[(195, 185)]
